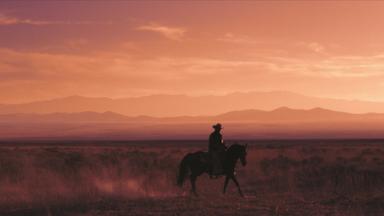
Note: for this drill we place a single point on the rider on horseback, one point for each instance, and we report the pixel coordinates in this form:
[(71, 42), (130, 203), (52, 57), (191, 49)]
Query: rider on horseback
[(216, 151)]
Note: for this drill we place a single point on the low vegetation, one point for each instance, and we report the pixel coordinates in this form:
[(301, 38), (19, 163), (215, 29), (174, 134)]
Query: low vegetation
[(284, 179)]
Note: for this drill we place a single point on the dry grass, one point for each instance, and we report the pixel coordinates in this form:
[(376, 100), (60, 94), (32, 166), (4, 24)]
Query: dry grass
[(281, 178)]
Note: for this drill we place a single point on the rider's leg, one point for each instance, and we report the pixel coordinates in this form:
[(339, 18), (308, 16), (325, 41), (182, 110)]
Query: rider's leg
[(210, 165)]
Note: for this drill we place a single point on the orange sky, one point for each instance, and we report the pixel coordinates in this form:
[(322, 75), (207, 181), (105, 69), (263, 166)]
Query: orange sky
[(127, 48)]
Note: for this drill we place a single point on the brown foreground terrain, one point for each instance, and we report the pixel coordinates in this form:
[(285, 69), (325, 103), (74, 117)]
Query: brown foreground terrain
[(307, 177)]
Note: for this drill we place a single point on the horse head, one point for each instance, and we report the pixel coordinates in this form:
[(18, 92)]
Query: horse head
[(240, 152)]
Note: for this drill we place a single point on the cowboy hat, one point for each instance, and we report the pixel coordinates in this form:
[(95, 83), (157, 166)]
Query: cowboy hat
[(217, 126)]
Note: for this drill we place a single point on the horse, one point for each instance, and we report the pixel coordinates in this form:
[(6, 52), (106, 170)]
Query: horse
[(198, 163)]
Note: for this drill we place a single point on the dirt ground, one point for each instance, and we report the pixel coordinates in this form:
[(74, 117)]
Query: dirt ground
[(302, 177)]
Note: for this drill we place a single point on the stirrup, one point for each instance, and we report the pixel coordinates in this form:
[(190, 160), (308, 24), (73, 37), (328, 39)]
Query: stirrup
[(214, 176)]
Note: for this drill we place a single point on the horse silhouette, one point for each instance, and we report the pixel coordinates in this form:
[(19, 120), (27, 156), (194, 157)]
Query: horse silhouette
[(198, 163)]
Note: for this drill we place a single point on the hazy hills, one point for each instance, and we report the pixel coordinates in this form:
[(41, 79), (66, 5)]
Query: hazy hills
[(181, 105), (279, 115), (246, 124), (186, 117)]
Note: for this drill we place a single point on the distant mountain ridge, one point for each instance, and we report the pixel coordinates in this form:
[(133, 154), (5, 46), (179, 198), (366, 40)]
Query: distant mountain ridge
[(279, 123), (181, 105), (279, 115)]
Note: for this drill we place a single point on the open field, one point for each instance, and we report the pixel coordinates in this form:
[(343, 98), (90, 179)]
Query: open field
[(303, 177)]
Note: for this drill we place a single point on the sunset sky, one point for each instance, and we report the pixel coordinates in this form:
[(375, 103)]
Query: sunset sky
[(127, 48)]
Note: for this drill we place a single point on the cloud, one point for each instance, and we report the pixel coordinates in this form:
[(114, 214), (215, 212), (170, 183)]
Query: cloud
[(313, 46), (119, 66), (332, 67), (173, 33), (8, 20), (316, 47), (238, 39)]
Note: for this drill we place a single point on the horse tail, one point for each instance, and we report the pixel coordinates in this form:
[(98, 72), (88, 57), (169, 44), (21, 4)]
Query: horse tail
[(183, 170)]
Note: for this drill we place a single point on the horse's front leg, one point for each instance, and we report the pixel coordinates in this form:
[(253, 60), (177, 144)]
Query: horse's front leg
[(193, 184), (226, 183), (237, 184)]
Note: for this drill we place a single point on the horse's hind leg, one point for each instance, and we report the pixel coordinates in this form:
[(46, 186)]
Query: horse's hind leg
[(193, 184), (237, 184), (225, 184)]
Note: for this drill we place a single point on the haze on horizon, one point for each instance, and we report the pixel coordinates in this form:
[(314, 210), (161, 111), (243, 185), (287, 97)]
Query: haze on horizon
[(132, 48)]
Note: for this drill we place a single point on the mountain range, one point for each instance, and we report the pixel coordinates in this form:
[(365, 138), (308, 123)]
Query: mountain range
[(282, 122), (279, 115), (182, 105)]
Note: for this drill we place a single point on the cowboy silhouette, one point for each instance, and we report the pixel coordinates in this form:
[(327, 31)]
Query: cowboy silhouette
[(216, 151)]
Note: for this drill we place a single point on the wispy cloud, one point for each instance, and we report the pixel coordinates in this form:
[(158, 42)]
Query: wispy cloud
[(6, 20), (173, 33), (316, 47), (238, 39), (122, 66), (332, 67), (9, 20), (313, 47)]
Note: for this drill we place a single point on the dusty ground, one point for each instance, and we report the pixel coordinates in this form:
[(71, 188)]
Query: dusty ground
[(313, 177)]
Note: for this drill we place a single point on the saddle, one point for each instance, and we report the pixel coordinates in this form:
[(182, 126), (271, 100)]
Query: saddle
[(214, 161)]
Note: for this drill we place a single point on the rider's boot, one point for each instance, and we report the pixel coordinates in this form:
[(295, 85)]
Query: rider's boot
[(211, 176)]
